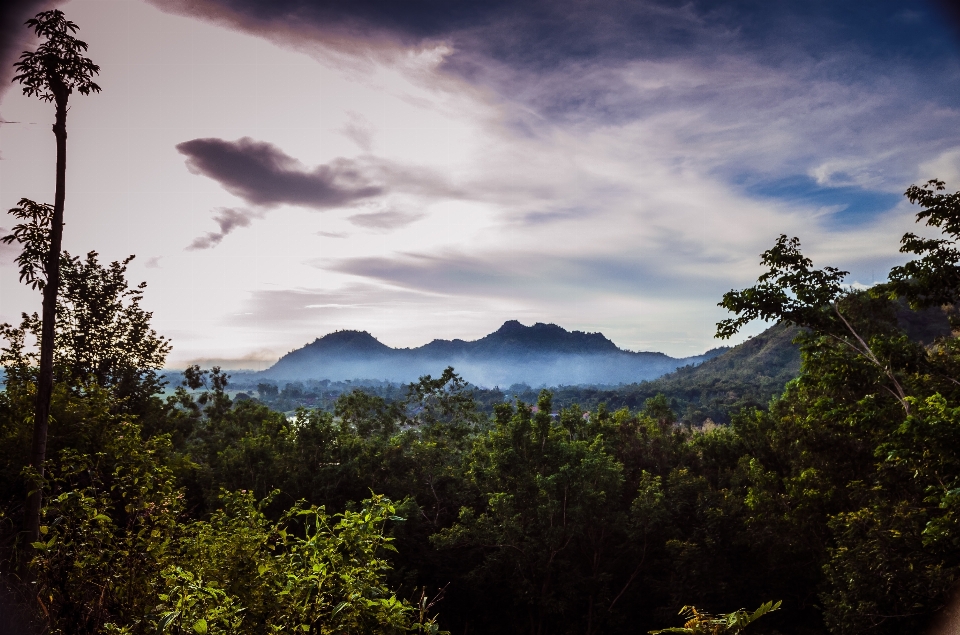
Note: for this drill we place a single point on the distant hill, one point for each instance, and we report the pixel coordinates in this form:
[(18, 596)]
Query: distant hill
[(580, 368), (750, 373), (542, 354)]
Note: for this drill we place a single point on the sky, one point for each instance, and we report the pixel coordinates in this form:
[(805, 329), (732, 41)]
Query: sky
[(431, 169)]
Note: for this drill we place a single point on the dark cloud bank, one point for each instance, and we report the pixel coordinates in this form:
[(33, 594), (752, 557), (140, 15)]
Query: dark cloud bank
[(262, 174), (265, 176), (545, 34)]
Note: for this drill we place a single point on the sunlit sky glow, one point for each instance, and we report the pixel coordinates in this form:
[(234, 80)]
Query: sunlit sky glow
[(283, 170)]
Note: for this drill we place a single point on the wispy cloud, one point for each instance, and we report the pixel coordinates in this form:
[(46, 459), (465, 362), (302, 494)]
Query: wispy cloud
[(318, 306), (386, 220), (535, 276), (360, 131), (228, 219)]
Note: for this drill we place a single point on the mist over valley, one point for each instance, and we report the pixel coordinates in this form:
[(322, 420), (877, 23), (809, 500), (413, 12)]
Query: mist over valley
[(538, 355)]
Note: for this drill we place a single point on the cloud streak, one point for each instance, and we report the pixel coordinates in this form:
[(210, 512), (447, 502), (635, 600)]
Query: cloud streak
[(262, 174), (385, 220), (228, 220), (533, 276)]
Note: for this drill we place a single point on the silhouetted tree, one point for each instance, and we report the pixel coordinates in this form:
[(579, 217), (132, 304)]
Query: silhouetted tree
[(52, 73)]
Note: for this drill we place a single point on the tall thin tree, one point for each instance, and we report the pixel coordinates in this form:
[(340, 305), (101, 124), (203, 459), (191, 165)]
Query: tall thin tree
[(52, 72)]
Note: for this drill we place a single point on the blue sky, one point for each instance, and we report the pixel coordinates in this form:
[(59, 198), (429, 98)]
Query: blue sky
[(432, 169)]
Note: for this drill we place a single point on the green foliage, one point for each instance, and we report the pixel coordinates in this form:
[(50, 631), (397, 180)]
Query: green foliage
[(367, 413), (306, 572), (657, 408), (748, 375), (700, 623), (444, 400), (103, 336), (934, 278), (790, 292), (117, 554), (107, 533), (189, 605)]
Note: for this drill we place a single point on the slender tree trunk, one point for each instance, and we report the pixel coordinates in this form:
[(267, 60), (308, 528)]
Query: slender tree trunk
[(52, 270)]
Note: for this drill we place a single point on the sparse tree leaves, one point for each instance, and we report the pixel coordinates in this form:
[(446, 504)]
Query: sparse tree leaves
[(791, 291), (34, 239), (58, 66), (702, 623), (103, 335), (934, 278)]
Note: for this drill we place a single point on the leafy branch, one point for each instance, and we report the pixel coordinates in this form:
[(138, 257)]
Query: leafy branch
[(702, 623)]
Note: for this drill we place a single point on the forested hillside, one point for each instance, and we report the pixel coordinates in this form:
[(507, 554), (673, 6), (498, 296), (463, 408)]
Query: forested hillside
[(714, 386)]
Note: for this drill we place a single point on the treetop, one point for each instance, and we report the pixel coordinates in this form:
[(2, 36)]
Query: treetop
[(58, 66)]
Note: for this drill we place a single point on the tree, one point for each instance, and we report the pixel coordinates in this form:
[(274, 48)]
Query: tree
[(791, 291), (871, 489), (445, 400), (934, 278), (547, 523), (794, 293), (102, 334), (52, 73)]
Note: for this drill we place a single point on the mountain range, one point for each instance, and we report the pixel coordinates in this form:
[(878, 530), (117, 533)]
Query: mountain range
[(542, 354)]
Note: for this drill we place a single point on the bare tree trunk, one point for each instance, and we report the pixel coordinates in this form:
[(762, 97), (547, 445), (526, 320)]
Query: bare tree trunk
[(52, 285)]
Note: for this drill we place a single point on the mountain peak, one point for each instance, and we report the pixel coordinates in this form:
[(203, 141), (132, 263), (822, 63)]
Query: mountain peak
[(510, 326), (348, 341), (514, 337), (542, 353)]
